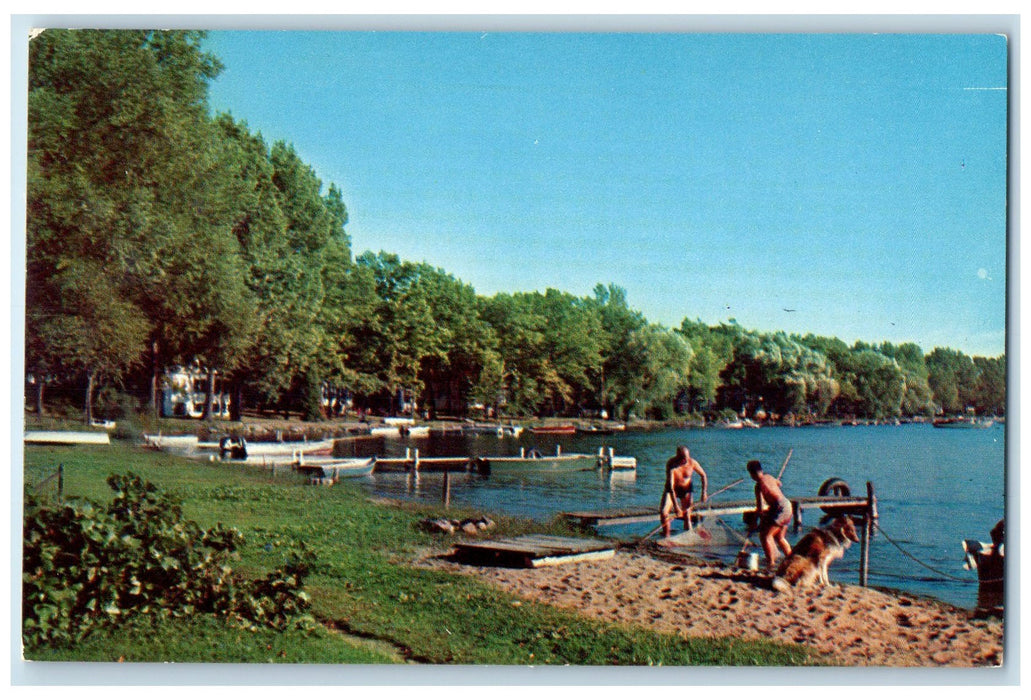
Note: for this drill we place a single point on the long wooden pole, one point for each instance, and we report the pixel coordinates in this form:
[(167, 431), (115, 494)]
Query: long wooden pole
[(785, 465)]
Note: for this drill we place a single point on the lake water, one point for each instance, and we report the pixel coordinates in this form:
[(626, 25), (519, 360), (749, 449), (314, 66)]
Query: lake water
[(934, 487)]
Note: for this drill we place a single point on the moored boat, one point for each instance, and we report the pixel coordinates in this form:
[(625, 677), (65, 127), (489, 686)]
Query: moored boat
[(533, 460), (510, 430), (569, 429), (962, 423), (329, 471), (989, 562), (239, 447)]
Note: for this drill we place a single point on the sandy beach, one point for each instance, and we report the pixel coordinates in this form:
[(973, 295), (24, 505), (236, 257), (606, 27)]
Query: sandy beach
[(856, 626)]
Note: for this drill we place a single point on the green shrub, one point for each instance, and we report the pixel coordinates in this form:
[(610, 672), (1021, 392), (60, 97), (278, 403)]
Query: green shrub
[(88, 566)]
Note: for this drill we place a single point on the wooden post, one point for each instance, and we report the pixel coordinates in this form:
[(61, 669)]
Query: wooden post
[(446, 495), (558, 450), (60, 483), (864, 555), (415, 461)]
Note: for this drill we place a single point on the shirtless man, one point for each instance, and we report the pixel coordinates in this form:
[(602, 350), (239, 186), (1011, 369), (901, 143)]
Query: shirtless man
[(677, 493), (774, 520)]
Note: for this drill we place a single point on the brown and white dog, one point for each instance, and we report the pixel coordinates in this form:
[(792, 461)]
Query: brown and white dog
[(811, 556)]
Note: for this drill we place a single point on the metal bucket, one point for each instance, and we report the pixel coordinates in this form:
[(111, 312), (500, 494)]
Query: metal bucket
[(748, 560)]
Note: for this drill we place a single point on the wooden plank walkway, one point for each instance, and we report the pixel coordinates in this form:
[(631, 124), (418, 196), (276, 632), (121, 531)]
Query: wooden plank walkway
[(534, 551)]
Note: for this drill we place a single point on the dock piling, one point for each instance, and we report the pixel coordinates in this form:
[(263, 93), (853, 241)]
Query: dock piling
[(864, 538)]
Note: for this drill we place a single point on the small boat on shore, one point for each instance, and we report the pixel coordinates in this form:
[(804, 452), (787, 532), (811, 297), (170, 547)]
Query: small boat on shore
[(66, 437)]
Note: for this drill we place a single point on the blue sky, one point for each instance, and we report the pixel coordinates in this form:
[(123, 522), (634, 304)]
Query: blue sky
[(846, 185)]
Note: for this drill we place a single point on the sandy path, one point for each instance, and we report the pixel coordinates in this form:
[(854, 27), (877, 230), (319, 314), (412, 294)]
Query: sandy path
[(858, 626)]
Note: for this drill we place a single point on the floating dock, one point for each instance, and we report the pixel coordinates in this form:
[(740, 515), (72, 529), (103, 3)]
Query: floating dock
[(534, 551)]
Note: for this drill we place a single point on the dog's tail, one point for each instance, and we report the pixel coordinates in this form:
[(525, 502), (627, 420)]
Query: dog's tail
[(781, 585)]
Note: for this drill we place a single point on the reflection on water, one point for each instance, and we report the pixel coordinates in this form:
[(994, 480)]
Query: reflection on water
[(935, 488)]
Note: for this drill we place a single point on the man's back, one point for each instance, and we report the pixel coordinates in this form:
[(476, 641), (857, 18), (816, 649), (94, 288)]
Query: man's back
[(769, 487)]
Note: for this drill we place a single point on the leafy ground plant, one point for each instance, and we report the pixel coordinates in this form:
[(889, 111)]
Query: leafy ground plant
[(89, 566)]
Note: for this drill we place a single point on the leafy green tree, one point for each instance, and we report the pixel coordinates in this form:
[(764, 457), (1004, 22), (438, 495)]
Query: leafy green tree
[(990, 392), (663, 359), (952, 377), (122, 179), (93, 333), (618, 324), (879, 384), (712, 352)]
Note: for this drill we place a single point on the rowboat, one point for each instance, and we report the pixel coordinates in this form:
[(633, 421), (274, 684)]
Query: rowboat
[(65, 437), (330, 471), (554, 430), (415, 431), (535, 461)]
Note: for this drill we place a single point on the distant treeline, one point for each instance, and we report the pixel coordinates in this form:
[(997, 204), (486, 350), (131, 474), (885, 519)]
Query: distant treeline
[(161, 235)]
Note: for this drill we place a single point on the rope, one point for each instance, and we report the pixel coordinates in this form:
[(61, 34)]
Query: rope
[(931, 568)]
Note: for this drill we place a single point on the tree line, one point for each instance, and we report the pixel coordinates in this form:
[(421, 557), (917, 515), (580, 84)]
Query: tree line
[(160, 234)]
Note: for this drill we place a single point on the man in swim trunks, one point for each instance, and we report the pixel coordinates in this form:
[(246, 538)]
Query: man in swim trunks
[(774, 520), (677, 492)]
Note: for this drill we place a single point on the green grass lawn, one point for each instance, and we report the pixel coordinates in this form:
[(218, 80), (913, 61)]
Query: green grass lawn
[(373, 606)]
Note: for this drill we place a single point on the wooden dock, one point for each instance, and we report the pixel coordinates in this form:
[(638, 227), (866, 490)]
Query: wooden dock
[(534, 551), (838, 502), (413, 461), (627, 516)]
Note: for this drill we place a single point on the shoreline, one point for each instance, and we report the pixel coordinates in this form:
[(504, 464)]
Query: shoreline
[(669, 593)]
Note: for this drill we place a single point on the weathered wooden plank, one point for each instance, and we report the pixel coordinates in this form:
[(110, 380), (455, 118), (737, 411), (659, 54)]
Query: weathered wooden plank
[(536, 550), (536, 545), (569, 559)]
